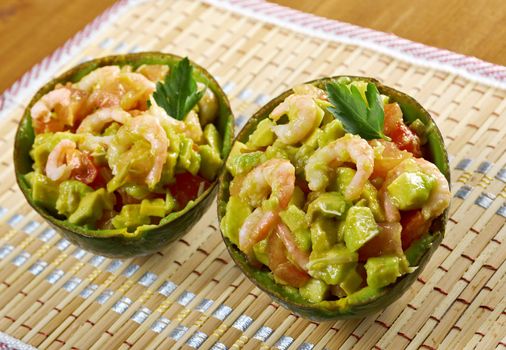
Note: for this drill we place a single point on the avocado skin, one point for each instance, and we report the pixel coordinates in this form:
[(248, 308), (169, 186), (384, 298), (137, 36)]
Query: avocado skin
[(112, 243), (434, 151)]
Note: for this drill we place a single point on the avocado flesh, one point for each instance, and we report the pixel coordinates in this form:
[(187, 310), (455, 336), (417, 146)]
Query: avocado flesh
[(120, 242), (368, 300)]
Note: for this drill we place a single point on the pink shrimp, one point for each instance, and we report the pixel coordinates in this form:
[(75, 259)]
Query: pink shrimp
[(256, 227), (349, 148), (57, 167), (95, 122)]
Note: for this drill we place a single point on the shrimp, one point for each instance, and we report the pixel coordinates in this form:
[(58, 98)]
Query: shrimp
[(99, 78), (95, 123), (349, 148), (304, 116), (439, 197), (150, 129), (311, 90), (57, 109), (57, 167), (208, 105), (275, 177), (256, 227), (299, 257), (154, 72), (189, 127)]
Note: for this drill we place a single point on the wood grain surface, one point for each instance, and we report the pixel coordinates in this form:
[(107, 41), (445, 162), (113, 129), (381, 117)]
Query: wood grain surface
[(32, 29)]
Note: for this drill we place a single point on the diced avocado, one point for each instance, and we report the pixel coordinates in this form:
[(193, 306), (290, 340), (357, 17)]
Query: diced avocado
[(370, 194), (210, 162), (323, 234), (383, 270), (130, 217), (237, 212), (244, 162), (212, 137), (331, 132), (237, 148), (416, 250), (280, 150), (44, 191), (70, 194), (332, 265), (112, 129), (153, 207), (314, 291), (260, 250), (297, 197), (189, 159), (301, 157), (312, 140), (360, 227), (341, 226), (295, 219), (91, 207), (410, 190), (263, 135), (170, 203), (344, 176), (352, 282), (329, 204), (169, 168), (419, 128), (137, 191)]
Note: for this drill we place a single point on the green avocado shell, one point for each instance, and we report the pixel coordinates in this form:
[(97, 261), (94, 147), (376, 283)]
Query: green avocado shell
[(367, 303), (118, 243)]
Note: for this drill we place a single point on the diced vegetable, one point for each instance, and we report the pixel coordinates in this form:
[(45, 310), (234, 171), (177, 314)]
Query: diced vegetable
[(91, 207), (243, 163), (210, 162), (70, 194), (314, 291), (44, 191), (263, 135), (260, 251), (212, 137), (360, 227), (323, 234), (329, 204), (295, 219), (384, 270), (410, 190), (237, 212), (153, 207)]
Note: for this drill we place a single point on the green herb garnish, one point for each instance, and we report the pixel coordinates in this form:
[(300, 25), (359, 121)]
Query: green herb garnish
[(358, 116), (178, 93)]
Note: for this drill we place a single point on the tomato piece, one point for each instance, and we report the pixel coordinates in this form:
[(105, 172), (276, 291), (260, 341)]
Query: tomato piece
[(281, 267), (413, 226), (83, 167), (186, 187), (390, 158), (397, 130), (388, 241)]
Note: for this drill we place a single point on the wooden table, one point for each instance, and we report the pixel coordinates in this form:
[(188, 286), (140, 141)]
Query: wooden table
[(32, 29)]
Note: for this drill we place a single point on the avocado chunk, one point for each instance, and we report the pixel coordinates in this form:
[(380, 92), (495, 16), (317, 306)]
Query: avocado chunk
[(323, 234), (130, 217), (351, 282), (212, 137), (298, 198), (331, 266), (244, 162), (360, 227), (295, 219), (237, 212), (263, 135), (137, 191), (189, 159), (44, 190), (410, 190), (153, 207), (260, 250), (314, 291), (331, 132), (384, 270), (91, 207), (71, 192), (210, 162), (416, 250), (329, 204)]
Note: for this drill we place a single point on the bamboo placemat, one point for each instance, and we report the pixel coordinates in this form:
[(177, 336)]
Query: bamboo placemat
[(56, 296)]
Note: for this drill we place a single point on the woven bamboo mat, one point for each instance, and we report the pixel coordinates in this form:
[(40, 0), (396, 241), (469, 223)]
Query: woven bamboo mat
[(56, 296)]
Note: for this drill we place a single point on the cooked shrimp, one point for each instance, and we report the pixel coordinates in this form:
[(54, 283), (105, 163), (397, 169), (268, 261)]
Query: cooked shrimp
[(189, 127), (255, 228), (439, 197), (275, 177), (95, 122), (99, 78), (304, 116), (299, 257), (311, 90), (349, 148), (57, 167), (57, 109), (154, 72), (150, 129), (208, 106)]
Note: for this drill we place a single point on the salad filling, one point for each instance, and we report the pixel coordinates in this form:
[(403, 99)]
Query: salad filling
[(331, 193), (124, 146)]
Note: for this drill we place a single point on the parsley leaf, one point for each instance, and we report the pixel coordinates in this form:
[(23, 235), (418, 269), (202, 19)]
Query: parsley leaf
[(357, 116), (178, 93)]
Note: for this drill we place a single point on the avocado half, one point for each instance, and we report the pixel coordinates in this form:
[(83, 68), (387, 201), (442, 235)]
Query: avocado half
[(120, 243), (366, 301)]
